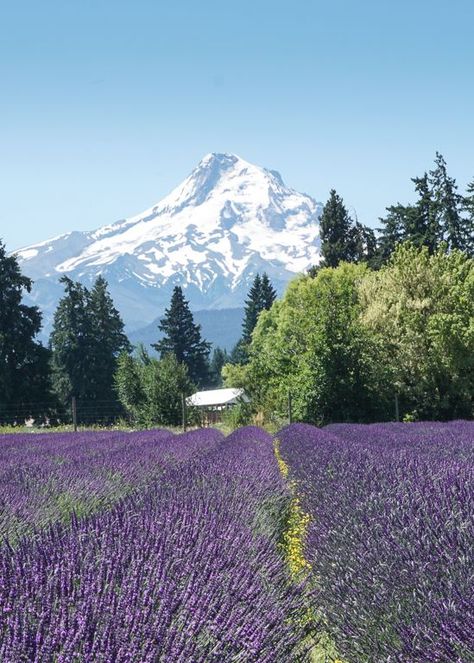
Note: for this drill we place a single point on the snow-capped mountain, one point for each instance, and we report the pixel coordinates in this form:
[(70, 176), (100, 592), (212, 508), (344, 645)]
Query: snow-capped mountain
[(228, 220)]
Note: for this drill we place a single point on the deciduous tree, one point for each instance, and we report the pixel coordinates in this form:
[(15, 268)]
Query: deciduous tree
[(421, 309), (151, 390), (313, 343)]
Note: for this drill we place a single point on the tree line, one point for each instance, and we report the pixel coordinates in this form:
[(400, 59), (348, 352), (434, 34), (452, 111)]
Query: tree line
[(89, 357), (383, 316), (439, 216), (384, 325)]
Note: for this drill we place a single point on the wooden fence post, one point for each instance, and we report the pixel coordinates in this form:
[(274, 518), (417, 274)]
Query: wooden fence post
[(74, 413), (183, 411)]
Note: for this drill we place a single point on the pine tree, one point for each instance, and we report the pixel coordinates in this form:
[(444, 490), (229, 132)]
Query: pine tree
[(72, 346), (435, 217), (219, 358), (363, 244), (335, 230), (260, 297), (268, 293), (108, 339), (253, 306), (239, 353), (447, 203), (24, 362), (391, 233), (414, 223), (421, 225), (182, 338), (468, 220)]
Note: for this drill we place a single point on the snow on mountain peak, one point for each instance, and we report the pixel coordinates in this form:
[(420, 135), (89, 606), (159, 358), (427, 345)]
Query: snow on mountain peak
[(227, 220)]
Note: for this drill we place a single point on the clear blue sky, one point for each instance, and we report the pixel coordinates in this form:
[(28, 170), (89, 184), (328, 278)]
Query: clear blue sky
[(107, 105)]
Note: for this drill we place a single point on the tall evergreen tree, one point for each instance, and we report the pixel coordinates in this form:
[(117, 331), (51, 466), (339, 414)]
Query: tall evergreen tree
[(414, 223), (239, 354), (219, 358), (260, 297), (421, 225), (253, 306), (335, 231), (363, 243), (447, 203), (182, 338), (391, 233), (108, 339), (24, 362), (71, 344), (86, 340), (435, 217), (468, 209), (268, 293)]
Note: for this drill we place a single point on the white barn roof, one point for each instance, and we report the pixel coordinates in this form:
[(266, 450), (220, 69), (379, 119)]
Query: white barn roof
[(216, 397)]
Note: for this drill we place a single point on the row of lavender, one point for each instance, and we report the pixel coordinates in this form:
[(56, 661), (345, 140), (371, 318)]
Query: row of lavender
[(45, 477), (185, 569), (390, 540)]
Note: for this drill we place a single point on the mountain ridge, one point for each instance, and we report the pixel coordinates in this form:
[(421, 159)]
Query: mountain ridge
[(228, 220)]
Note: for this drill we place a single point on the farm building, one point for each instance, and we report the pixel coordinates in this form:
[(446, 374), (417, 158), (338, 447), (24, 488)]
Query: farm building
[(214, 402)]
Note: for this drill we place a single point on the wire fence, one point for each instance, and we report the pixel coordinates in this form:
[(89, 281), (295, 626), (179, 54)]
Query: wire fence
[(98, 413), (76, 413), (109, 413)]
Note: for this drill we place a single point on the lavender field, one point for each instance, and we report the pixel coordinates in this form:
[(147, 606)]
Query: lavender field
[(180, 563), (391, 536), (349, 543)]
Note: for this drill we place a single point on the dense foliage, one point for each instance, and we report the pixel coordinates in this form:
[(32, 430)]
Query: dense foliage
[(314, 344), (151, 390), (384, 325), (420, 310), (24, 362), (349, 340), (186, 569), (390, 540), (86, 339)]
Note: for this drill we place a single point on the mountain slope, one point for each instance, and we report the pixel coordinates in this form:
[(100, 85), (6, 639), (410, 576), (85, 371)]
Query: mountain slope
[(228, 220)]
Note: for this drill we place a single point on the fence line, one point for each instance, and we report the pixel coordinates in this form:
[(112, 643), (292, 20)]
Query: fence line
[(109, 412), (48, 414)]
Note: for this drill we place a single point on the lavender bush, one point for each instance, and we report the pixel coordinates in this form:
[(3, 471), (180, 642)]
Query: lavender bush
[(391, 539), (43, 478), (185, 569)]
